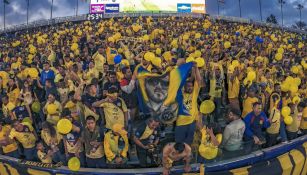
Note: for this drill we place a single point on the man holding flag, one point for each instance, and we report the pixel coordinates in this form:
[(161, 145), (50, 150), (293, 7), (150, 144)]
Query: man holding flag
[(185, 124)]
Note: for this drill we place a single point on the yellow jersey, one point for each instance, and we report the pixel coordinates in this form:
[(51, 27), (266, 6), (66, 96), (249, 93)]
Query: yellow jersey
[(234, 88), (190, 103), (3, 134), (303, 124), (275, 124), (26, 137), (114, 112), (112, 147), (206, 149)]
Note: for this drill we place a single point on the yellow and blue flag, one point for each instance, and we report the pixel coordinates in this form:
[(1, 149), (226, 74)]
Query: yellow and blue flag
[(158, 93)]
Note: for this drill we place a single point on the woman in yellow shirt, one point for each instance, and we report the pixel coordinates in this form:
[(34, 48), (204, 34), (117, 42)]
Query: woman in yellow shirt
[(210, 141), (303, 125), (293, 127)]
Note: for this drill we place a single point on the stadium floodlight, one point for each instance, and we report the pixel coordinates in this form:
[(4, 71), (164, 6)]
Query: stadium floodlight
[(260, 9), (5, 2), (300, 7), (282, 2)]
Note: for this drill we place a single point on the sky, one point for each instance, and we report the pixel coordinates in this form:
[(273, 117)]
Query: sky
[(16, 12)]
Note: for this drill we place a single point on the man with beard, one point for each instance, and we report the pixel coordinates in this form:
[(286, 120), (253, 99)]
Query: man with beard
[(185, 124), (234, 130)]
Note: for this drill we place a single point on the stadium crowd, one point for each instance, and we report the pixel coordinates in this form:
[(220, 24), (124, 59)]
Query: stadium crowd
[(247, 90)]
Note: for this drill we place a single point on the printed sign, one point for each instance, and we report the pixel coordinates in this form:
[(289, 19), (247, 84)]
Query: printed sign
[(198, 8), (112, 8), (184, 8), (97, 8)]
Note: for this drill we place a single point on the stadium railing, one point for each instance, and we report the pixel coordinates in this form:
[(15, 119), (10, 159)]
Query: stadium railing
[(47, 22)]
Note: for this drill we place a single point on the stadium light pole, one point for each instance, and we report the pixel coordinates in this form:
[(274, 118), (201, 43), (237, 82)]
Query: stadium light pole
[(300, 7), (28, 4), (260, 9), (77, 4), (218, 7), (51, 9), (240, 8), (282, 2), (5, 2)]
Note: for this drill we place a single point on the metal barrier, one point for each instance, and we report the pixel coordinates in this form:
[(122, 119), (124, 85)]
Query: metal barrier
[(47, 22)]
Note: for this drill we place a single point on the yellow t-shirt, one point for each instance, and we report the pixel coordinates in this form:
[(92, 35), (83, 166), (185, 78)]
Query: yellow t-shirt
[(303, 124), (248, 105), (6, 109), (26, 137), (111, 53), (275, 125), (293, 127), (206, 149), (98, 153), (111, 146), (190, 102), (114, 112), (99, 61), (47, 138), (43, 157), (11, 147), (233, 88)]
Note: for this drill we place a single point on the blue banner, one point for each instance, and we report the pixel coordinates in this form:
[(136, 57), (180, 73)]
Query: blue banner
[(184, 8), (112, 8)]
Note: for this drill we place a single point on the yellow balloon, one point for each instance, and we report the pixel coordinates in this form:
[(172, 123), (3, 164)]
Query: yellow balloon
[(280, 50), (149, 56), (278, 56), (293, 88), (145, 37), (251, 75), (74, 164), (111, 39), (235, 63), (285, 111), (270, 46), (207, 107), (295, 69), (64, 126), (27, 119), (297, 81), (200, 62), (227, 45), (158, 51), (51, 109), (296, 99), (189, 59), (197, 53), (288, 120), (197, 35), (157, 62)]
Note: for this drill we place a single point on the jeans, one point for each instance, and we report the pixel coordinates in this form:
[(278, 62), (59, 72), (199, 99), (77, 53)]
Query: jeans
[(217, 110), (271, 139), (14, 154), (58, 157), (291, 135), (96, 163), (30, 153), (185, 133), (282, 131)]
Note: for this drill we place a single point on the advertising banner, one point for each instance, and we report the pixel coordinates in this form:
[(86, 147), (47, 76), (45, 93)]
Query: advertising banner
[(97, 8), (184, 8), (198, 8), (112, 8)]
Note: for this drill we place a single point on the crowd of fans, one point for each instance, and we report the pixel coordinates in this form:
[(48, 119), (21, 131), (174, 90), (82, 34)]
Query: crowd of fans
[(254, 75)]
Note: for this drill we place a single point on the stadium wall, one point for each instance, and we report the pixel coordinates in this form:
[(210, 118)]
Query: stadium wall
[(285, 159)]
